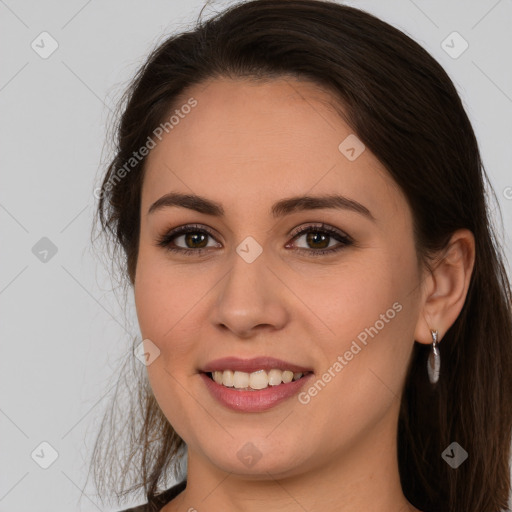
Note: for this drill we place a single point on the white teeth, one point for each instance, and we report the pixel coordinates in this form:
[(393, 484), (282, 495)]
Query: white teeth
[(287, 376), (255, 380), (274, 377), (258, 380), (227, 378), (241, 380)]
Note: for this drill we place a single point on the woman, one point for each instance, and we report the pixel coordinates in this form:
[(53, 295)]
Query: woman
[(300, 201)]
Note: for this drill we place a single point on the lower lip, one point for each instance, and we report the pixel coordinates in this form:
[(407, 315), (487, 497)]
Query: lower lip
[(254, 401)]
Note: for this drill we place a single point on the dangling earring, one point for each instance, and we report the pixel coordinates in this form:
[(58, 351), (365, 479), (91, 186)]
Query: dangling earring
[(434, 360)]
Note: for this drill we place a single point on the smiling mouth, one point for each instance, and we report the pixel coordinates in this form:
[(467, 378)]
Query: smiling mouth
[(255, 381)]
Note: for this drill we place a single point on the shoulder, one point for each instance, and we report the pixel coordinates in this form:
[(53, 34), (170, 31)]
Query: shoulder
[(160, 500)]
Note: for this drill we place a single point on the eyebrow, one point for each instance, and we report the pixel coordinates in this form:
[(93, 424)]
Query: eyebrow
[(280, 209)]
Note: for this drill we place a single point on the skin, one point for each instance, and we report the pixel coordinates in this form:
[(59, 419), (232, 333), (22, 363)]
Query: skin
[(247, 145)]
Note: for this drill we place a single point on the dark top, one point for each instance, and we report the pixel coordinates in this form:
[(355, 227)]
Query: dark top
[(159, 501)]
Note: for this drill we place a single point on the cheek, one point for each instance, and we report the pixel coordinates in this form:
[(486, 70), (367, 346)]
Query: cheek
[(162, 315), (373, 313), (152, 305), (163, 303), (370, 309), (159, 296), (351, 298)]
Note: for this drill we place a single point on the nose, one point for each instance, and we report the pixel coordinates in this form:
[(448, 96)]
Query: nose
[(251, 299)]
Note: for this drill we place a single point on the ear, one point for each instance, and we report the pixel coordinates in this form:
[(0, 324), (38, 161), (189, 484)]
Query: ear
[(445, 288)]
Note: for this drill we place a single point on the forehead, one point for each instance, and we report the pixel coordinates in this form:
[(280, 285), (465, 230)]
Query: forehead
[(253, 143)]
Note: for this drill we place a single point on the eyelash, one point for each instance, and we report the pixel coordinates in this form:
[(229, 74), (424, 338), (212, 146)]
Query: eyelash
[(166, 239)]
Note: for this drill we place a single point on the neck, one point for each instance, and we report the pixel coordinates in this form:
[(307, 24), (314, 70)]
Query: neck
[(363, 476)]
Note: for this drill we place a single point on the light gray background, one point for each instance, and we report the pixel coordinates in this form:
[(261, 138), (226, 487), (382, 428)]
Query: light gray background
[(63, 330)]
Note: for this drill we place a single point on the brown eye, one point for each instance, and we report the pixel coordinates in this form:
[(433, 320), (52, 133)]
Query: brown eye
[(195, 240), (318, 240)]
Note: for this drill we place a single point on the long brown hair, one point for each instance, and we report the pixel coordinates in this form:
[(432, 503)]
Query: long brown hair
[(405, 109)]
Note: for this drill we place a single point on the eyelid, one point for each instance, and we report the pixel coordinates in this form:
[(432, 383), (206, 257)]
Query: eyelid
[(179, 230), (344, 239), (321, 226)]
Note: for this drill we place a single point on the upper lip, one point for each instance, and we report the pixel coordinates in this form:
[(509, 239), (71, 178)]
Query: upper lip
[(252, 365)]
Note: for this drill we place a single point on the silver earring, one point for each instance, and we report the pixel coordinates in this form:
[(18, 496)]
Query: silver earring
[(434, 360)]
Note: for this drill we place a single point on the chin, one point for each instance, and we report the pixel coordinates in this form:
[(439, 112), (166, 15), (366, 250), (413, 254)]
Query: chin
[(257, 457)]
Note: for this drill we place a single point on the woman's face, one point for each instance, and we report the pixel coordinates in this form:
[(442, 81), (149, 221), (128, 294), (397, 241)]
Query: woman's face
[(257, 288)]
